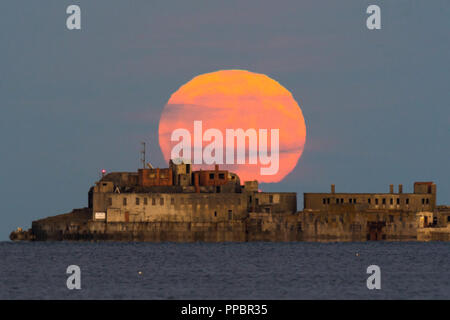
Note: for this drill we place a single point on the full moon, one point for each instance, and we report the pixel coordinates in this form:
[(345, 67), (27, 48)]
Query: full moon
[(232, 99)]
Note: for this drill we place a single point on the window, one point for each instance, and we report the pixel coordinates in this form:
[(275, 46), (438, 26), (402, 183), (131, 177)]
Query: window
[(153, 201), (215, 213), (368, 201), (221, 176), (172, 201), (448, 218), (188, 168), (337, 201), (391, 218), (407, 200), (324, 201), (349, 200), (161, 201), (391, 201), (137, 201), (342, 200), (259, 225), (124, 201), (354, 200), (398, 200), (270, 198), (328, 200), (376, 201), (230, 214), (384, 200), (211, 175), (109, 201), (145, 201), (423, 201), (218, 189), (427, 201)]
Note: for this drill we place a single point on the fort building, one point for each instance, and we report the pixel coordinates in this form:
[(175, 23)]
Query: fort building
[(183, 205), (179, 194), (422, 199)]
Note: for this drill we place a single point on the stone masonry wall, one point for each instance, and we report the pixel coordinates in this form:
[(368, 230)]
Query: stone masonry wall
[(300, 226)]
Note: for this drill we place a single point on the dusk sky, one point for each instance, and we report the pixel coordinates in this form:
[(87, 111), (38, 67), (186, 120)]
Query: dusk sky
[(375, 102)]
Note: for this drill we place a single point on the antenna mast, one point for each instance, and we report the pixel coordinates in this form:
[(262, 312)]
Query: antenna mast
[(143, 155)]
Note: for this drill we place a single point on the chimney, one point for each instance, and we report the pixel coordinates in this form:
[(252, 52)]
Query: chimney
[(332, 188), (391, 188), (400, 188)]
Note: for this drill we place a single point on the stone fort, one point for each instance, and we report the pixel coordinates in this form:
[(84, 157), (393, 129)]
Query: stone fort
[(179, 204)]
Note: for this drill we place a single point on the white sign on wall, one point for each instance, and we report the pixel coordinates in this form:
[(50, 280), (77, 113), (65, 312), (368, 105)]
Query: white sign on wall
[(100, 216)]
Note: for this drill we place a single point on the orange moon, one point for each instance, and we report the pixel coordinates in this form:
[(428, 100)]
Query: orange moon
[(233, 99)]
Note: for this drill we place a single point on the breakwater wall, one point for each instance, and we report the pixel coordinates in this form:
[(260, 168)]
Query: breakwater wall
[(299, 226)]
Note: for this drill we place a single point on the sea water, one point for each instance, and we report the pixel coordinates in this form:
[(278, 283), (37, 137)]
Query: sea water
[(256, 270)]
